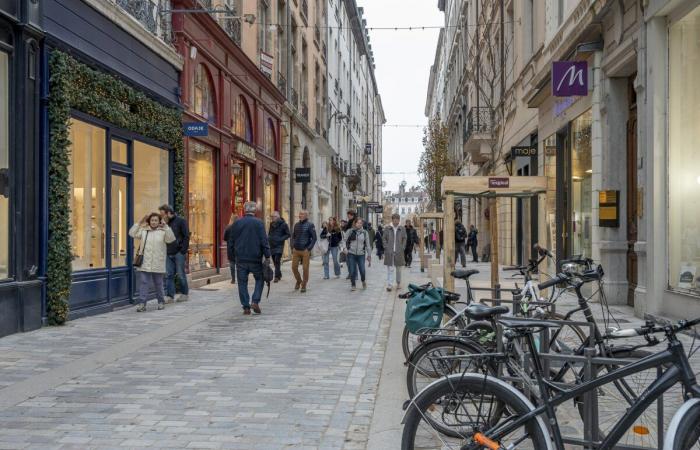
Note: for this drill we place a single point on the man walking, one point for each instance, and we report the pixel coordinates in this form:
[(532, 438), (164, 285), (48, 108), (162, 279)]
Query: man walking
[(394, 241), (250, 245), (279, 233), (411, 240), (472, 241), (303, 241), (460, 240), (177, 254)]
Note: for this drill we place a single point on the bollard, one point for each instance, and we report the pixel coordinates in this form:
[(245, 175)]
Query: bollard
[(497, 295), (590, 403)]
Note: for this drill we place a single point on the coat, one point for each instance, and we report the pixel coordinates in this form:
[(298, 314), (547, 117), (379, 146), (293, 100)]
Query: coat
[(156, 248), (357, 242), (249, 240), (391, 257), (182, 236), (411, 238), (279, 233), (304, 237), (230, 254)]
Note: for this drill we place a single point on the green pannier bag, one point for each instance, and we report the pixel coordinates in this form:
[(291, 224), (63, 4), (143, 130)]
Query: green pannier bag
[(424, 309)]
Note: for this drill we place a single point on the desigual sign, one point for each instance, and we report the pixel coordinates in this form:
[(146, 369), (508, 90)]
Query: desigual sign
[(569, 78), (499, 182)]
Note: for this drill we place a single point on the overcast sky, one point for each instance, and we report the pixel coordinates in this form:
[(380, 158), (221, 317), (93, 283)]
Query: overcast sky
[(403, 60)]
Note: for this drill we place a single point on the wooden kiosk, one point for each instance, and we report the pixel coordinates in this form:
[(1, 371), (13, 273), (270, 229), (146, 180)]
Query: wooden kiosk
[(490, 188), (439, 218)]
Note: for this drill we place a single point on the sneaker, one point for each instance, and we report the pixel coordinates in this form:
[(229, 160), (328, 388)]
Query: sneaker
[(353, 288), (141, 308), (276, 280), (246, 311), (364, 285), (326, 278), (161, 306), (256, 308), (297, 286), (169, 299), (303, 289), (182, 298)]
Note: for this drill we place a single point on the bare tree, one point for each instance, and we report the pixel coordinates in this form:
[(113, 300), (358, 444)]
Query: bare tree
[(435, 162)]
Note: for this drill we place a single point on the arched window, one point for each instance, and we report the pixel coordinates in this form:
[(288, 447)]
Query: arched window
[(243, 126), (270, 139), (203, 95)]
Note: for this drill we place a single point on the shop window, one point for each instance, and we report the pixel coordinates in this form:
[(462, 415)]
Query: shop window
[(550, 171), (4, 166), (120, 151), (581, 188), (270, 140), (243, 125), (87, 202), (151, 179), (201, 206), (684, 166), (203, 95), (270, 200)]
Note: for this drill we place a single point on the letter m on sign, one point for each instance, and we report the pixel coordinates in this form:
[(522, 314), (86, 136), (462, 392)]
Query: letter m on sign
[(569, 78)]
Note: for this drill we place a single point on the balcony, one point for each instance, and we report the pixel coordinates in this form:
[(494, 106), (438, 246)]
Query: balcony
[(318, 126), (232, 27), (281, 83), (478, 134), (304, 11), (294, 98), (304, 110), (147, 13)]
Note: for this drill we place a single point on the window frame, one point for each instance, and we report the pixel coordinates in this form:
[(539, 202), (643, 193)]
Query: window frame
[(208, 79), (8, 49)]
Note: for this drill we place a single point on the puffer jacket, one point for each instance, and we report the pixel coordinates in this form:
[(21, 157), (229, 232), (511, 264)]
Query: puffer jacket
[(156, 249), (279, 233), (357, 242), (304, 236)]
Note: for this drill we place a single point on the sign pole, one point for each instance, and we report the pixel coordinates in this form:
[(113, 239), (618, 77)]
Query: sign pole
[(421, 244), (493, 223), (448, 233)]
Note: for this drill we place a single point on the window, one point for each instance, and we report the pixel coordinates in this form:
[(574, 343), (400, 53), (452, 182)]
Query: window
[(270, 139), (684, 167), (581, 188), (4, 166), (201, 206), (242, 123), (87, 202), (151, 178), (264, 27), (203, 95)]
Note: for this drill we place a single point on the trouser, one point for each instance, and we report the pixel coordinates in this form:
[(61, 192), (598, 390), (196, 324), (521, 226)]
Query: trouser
[(243, 270), (301, 256), (175, 266), (232, 269), (408, 255), (475, 256), (277, 261), (356, 263), (461, 253), (391, 272), (148, 279), (332, 253)]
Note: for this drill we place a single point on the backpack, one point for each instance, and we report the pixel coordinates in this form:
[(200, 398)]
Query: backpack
[(424, 309), (461, 233)]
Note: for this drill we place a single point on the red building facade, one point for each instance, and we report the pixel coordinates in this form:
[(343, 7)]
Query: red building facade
[(239, 159)]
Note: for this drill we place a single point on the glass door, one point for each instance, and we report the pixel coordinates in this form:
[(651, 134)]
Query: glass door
[(119, 237)]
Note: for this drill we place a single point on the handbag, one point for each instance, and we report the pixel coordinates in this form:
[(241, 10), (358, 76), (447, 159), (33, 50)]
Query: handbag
[(138, 259), (323, 246), (343, 257)]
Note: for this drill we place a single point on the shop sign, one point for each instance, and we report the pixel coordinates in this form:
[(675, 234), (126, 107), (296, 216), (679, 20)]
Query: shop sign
[(372, 204), (266, 63), (368, 148), (569, 78), (499, 182), (609, 209), (196, 129), (379, 209), (245, 150), (302, 174), (523, 151)]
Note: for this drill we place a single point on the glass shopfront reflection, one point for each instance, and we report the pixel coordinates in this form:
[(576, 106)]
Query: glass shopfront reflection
[(120, 226), (581, 187), (201, 201), (4, 166)]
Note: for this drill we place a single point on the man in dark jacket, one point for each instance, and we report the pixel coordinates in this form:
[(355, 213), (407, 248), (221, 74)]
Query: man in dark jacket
[(279, 233), (250, 245), (472, 241), (460, 239), (303, 241), (177, 254), (411, 240)]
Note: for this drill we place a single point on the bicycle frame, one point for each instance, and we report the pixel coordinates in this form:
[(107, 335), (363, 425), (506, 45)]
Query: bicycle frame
[(680, 371)]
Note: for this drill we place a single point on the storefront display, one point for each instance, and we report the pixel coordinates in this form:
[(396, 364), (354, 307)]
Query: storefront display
[(684, 166), (201, 206), (581, 187), (550, 171), (4, 166), (241, 185), (270, 201)]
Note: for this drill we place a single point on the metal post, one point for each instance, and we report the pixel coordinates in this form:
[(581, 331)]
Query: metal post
[(590, 402)]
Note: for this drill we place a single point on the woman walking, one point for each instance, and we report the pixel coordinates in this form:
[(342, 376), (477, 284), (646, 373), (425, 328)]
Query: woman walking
[(358, 249), (153, 236), (335, 236), (324, 245)]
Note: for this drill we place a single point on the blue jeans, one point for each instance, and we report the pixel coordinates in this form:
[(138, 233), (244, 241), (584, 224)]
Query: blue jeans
[(175, 265), (356, 262), (243, 270), (332, 252)]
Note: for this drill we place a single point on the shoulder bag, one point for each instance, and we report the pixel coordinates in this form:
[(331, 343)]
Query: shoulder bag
[(138, 259)]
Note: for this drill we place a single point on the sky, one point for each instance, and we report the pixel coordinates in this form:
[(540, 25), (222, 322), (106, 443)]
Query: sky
[(403, 60)]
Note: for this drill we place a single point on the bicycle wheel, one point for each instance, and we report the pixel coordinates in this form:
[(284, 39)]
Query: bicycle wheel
[(469, 404), (427, 362), (410, 341), (684, 430), (566, 339)]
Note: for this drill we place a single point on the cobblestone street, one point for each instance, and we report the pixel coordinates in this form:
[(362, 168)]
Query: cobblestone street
[(201, 375)]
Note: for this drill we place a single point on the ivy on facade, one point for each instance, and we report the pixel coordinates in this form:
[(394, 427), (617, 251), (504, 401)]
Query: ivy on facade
[(75, 86)]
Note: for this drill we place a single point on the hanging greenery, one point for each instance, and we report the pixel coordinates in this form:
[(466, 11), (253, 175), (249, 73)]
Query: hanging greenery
[(75, 86)]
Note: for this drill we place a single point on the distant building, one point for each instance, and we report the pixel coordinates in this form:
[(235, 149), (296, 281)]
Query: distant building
[(406, 203)]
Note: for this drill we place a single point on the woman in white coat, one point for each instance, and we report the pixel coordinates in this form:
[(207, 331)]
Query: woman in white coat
[(153, 236)]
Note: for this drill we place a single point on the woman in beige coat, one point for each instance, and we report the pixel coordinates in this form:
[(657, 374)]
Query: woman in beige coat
[(153, 236)]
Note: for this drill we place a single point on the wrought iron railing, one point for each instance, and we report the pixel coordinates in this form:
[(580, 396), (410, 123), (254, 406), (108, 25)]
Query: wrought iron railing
[(149, 14), (232, 26), (304, 110), (294, 98), (479, 120), (281, 83), (304, 10)]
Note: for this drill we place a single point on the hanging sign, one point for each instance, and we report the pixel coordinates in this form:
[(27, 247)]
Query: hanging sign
[(368, 148), (195, 129), (302, 174), (499, 182), (379, 209), (569, 78), (267, 62), (372, 204), (609, 209), (523, 151)]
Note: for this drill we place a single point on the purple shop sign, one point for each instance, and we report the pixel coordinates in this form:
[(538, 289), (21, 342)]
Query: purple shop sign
[(569, 78)]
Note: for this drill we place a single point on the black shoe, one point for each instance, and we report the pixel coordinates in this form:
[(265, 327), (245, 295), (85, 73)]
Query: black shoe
[(246, 311), (276, 280), (233, 281), (256, 308)]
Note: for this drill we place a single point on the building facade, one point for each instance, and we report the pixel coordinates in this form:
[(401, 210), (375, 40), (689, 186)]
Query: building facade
[(408, 203)]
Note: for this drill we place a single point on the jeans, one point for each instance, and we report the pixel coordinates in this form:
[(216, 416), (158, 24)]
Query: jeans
[(277, 261), (146, 279), (356, 262), (408, 255), (175, 265), (331, 253), (243, 270), (301, 256), (390, 272), (232, 268), (461, 253), (474, 254)]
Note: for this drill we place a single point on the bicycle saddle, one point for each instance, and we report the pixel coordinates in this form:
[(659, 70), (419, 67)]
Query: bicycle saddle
[(477, 311), (528, 323), (463, 274)]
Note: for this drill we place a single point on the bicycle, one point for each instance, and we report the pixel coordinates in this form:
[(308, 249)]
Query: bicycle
[(490, 413)]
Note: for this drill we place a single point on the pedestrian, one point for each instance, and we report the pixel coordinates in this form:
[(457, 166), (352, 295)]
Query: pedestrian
[(323, 244), (411, 240), (350, 223), (460, 243), (394, 242), (278, 235), (230, 254), (372, 233), (250, 245), (303, 241), (433, 240), (473, 242), (177, 254), (153, 235), (334, 236), (378, 242), (358, 249)]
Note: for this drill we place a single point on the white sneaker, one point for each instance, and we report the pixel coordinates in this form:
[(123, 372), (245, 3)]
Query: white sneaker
[(182, 298), (169, 299)]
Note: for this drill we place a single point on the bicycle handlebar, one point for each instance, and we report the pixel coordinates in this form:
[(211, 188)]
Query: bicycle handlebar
[(651, 328), (542, 251), (553, 282)]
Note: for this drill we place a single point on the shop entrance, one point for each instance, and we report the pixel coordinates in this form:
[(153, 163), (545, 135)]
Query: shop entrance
[(526, 219), (631, 193)]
